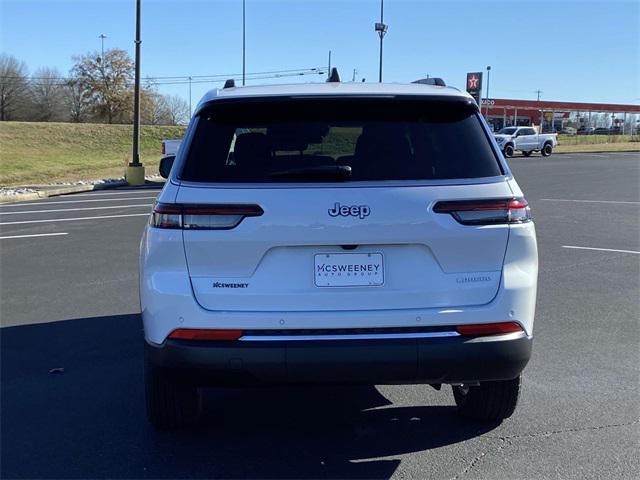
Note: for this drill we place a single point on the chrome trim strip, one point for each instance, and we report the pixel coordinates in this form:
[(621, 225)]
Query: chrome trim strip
[(364, 336)]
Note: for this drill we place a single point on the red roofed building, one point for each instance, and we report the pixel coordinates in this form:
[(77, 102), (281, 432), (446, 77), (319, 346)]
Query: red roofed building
[(502, 112)]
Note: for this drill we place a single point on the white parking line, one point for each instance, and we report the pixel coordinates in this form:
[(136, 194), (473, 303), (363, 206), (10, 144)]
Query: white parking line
[(75, 219), (588, 201), (75, 201), (76, 209), (34, 235), (601, 249)]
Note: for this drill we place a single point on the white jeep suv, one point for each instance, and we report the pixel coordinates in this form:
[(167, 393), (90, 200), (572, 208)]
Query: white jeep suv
[(337, 233)]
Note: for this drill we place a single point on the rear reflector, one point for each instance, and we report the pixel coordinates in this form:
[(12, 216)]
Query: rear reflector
[(202, 217), (204, 334), (483, 329), (486, 212)]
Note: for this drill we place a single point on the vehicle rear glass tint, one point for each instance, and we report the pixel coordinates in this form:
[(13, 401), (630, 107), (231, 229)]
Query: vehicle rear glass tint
[(377, 139)]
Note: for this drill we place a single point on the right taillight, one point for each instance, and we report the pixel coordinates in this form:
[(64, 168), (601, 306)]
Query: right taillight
[(201, 217), (486, 212)]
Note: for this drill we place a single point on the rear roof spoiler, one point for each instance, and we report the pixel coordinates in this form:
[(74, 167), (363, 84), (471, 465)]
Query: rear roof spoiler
[(453, 100)]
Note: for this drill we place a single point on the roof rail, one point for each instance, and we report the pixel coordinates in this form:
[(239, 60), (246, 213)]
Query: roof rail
[(230, 83), (334, 77), (431, 81)]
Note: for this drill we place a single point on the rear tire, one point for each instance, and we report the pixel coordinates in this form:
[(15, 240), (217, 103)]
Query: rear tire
[(527, 154), (170, 404), (492, 401), (508, 151), (547, 149)]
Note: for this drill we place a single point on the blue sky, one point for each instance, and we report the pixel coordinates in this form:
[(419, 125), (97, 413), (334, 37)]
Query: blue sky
[(571, 50)]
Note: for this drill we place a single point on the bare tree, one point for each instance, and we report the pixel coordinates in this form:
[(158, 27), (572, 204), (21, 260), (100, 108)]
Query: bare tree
[(108, 82), (178, 109), (14, 88), (48, 99), (602, 120), (153, 108), (78, 101)]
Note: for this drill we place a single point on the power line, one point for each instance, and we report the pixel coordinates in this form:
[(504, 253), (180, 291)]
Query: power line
[(203, 78)]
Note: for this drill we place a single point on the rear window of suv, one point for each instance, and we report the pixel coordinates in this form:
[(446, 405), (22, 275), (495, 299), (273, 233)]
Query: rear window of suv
[(338, 139)]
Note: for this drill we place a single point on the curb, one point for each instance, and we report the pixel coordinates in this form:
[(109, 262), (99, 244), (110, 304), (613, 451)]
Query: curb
[(52, 192)]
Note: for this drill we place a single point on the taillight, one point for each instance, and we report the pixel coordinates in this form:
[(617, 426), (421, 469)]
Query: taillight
[(483, 329), (164, 148), (202, 217), (486, 212)]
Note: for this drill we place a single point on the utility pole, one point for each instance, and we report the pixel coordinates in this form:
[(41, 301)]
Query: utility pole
[(541, 111), (243, 43), (135, 170), (381, 28), (353, 77), (190, 111), (329, 65)]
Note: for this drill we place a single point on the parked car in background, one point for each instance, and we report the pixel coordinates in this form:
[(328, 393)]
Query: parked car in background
[(585, 130), (525, 140), (569, 131)]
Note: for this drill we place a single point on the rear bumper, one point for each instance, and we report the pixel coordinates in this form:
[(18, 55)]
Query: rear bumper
[(388, 361)]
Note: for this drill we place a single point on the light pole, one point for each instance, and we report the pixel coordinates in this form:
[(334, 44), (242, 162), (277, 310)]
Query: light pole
[(381, 28), (243, 42), (488, 73), (135, 170), (102, 36)]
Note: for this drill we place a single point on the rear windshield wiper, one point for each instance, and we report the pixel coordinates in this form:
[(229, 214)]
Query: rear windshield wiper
[(322, 172)]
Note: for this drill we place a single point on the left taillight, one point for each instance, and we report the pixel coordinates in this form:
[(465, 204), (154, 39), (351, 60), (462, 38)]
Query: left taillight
[(201, 217), (486, 212)]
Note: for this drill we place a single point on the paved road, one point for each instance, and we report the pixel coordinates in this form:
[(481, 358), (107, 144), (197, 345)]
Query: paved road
[(71, 301)]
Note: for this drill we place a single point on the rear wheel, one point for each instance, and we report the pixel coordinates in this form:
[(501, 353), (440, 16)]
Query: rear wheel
[(546, 150), (527, 154), (170, 404), (488, 401), (508, 151)]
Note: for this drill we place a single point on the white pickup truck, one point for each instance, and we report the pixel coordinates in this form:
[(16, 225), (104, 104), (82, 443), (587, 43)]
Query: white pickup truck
[(526, 140), (170, 146)]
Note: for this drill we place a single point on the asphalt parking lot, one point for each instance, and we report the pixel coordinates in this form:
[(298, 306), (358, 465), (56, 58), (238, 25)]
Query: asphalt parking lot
[(69, 300)]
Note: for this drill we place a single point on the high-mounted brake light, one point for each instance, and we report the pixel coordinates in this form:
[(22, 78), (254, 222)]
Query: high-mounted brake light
[(205, 334), (202, 217), (486, 212), (483, 329)]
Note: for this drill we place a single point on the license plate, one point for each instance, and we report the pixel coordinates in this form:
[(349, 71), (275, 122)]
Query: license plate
[(348, 269)]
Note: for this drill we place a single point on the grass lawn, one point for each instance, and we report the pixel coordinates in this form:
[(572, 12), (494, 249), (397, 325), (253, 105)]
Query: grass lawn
[(37, 153), (598, 143), (598, 147)]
